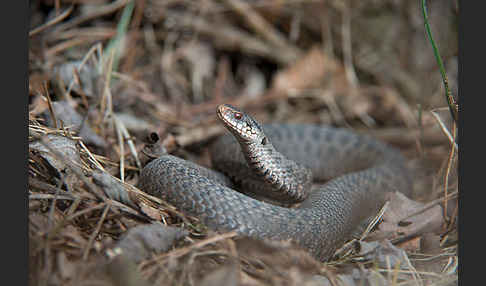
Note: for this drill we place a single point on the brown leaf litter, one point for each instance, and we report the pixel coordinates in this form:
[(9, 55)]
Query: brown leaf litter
[(364, 65)]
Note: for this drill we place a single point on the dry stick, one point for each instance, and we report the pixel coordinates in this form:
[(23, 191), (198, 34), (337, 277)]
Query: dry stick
[(375, 220), (120, 128), (406, 136), (51, 22), (448, 170), (84, 98), (444, 129), (326, 34), (75, 169), (432, 135), (85, 32), (347, 47), (106, 102), (73, 216), (96, 231), (199, 134), (395, 270), (66, 45), (295, 26), (94, 48), (262, 27), (38, 184), (182, 251), (411, 272), (133, 82), (126, 135), (50, 197), (231, 38), (94, 13), (240, 101), (91, 157), (57, 6), (430, 205), (122, 149), (49, 104), (454, 216)]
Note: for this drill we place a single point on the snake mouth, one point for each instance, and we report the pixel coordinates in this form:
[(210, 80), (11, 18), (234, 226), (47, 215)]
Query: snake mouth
[(224, 112)]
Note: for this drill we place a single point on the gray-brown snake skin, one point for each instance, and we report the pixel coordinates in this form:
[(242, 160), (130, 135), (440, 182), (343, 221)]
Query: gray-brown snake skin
[(358, 171)]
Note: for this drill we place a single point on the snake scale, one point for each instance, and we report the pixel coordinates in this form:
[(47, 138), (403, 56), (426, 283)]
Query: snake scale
[(336, 178)]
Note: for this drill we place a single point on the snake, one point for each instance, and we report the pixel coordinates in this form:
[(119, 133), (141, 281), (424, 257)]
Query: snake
[(308, 184)]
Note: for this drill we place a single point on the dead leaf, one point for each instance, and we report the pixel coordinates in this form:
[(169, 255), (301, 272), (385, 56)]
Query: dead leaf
[(141, 241), (397, 223), (65, 146), (309, 72), (63, 111)]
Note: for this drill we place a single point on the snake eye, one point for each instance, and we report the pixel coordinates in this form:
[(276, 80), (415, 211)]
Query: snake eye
[(238, 115), (264, 141)]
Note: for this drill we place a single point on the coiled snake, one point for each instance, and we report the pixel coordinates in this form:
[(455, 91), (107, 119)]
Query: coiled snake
[(279, 162)]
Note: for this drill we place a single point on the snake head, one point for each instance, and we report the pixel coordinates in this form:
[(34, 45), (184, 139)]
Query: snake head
[(243, 126)]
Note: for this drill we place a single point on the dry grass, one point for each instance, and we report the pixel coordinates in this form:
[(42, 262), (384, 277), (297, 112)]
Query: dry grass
[(164, 66)]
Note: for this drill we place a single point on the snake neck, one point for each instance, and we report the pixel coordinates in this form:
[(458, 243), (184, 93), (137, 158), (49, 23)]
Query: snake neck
[(286, 178)]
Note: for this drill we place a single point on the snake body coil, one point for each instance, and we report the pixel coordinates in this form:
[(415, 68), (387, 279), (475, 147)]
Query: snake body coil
[(279, 161)]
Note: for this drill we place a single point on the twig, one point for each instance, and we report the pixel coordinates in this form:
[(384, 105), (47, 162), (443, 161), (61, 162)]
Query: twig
[(445, 130), (61, 224), (126, 135), (106, 105), (230, 38), (448, 170), (100, 33), (96, 231), (262, 27), (375, 220), (51, 197), (49, 104), (93, 49), (38, 184), (93, 14), (122, 148), (67, 44), (430, 205), (91, 156), (347, 47), (51, 22), (182, 251)]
